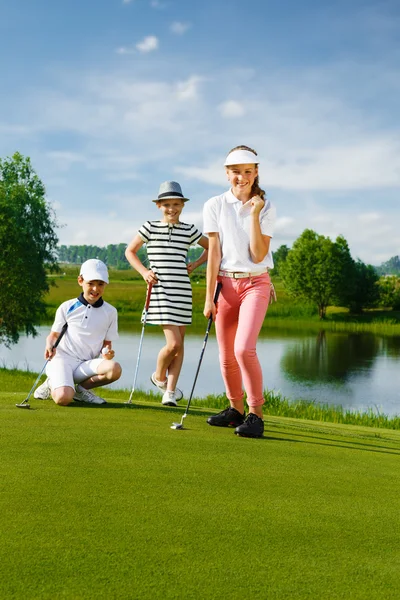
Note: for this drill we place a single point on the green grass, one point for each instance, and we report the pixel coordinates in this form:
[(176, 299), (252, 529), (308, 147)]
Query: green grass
[(110, 503)]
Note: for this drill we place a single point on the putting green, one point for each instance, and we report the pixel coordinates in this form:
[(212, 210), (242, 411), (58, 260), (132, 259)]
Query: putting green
[(110, 502)]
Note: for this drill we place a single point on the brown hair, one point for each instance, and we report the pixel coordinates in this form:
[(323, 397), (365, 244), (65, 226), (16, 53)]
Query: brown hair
[(255, 190)]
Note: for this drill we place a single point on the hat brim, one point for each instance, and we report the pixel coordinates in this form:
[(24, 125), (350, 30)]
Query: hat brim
[(171, 198)]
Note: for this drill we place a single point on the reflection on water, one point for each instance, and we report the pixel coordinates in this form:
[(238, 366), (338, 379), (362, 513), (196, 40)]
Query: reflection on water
[(357, 371), (330, 357)]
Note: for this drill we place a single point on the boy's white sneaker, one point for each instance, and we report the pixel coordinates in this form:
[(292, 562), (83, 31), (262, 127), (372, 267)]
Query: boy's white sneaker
[(82, 395), (169, 399), (43, 392)]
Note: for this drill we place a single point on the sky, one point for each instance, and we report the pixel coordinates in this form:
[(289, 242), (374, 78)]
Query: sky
[(109, 98)]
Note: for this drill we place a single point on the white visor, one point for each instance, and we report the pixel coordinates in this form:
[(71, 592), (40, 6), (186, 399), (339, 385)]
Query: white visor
[(241, 157)]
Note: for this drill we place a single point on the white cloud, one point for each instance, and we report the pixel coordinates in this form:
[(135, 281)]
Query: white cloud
[(125, 50), (179, 28), (231, 108), (188, 90), (148, 44)]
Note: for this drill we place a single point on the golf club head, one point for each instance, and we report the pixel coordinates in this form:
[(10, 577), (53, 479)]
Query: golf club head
[(176, 426), (23, 405)]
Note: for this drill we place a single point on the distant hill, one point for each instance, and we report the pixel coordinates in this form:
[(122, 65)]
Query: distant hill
[(390, 267)]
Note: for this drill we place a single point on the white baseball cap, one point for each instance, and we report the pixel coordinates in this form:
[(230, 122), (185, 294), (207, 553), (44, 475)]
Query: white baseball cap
[(93, 270), (241, 157)]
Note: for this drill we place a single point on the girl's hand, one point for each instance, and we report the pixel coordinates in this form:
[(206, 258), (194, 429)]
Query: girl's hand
[(191, 267), (150, 277), (210, 309), (256, 204)]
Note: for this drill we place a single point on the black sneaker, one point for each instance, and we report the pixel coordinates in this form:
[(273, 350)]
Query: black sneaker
[(230, 417), (253, 427)]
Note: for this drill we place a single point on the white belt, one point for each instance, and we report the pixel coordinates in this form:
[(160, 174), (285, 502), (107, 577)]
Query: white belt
[(241, 274)]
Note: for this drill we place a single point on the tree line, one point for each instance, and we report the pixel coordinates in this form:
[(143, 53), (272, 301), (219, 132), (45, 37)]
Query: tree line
[(112, 255), (323, 272)]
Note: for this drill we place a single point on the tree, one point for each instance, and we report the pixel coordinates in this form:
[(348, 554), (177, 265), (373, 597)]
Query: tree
[(364, 291), (389, 292), (28, 246), (280, 256), (315, 269)]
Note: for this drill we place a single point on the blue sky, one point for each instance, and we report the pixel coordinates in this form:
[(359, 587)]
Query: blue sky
[(111, 97)]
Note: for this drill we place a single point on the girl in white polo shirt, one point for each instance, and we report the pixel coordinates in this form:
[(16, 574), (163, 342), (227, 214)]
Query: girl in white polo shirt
[(240, 225), (83, 359)]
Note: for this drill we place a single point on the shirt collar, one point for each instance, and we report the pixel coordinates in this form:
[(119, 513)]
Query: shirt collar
[(97, 304), (231, 198)]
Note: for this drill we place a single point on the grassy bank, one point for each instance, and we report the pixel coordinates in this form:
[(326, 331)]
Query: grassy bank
[(127, 293), (17, 381), (109, 502)]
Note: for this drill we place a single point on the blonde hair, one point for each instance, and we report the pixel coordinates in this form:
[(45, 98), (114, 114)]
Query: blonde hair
[(255, 190)]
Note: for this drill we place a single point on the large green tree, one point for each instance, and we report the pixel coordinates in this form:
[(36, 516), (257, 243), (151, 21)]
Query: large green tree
[(28, 246), (317, 269)]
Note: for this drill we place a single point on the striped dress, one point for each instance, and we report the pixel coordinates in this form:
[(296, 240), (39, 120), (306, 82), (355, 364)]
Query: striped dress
[(167, 247)]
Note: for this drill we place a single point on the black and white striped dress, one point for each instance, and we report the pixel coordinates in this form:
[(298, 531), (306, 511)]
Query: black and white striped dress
[(167, 247)]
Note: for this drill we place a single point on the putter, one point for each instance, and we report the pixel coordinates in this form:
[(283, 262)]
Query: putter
[(210, 320), (25, 403), (146, 309)]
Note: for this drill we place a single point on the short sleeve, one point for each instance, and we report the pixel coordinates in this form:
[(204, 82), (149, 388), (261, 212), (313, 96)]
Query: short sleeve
[(60, 318), (210, 217), (268, 219), (195, 235), (112, 332), (144, 232)]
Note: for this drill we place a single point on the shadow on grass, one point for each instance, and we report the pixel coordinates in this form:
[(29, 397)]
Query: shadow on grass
[(171, 409), (333, 443)]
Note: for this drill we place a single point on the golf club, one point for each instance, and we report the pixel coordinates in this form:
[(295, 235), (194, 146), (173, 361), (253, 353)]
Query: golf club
[(146, 309), (25, 403), (210, 320)]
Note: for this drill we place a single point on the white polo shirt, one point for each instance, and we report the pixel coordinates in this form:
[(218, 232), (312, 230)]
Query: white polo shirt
[(88, 326), (229, 217)]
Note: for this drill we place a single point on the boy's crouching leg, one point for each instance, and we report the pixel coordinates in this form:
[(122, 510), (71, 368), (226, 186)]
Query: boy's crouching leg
[(63, 395), (108, 372), (115, 371)]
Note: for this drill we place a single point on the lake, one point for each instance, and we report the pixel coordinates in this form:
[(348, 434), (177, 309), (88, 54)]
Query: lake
[(356, 371)]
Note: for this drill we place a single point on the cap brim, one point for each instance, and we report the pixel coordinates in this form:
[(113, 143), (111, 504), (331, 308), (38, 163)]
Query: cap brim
[(171, 198)]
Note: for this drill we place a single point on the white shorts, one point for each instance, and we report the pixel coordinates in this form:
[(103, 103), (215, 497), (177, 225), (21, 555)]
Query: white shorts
[(67, 371)]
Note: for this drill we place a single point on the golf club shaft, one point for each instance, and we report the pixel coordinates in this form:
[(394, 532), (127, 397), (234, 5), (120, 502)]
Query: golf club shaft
[(210, 320), (58, 340), (146, 308)]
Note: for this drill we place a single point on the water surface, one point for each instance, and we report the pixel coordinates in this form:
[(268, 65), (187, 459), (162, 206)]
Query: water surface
[(357, 371)]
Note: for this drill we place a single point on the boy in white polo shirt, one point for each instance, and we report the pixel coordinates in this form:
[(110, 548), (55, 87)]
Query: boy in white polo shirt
[(83, 359)]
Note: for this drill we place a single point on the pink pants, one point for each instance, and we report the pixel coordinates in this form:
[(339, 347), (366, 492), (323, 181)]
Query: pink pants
[(242, 307)]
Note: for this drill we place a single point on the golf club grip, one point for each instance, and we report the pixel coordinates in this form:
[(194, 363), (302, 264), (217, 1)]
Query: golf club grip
[(216, 296), (148, 294), (217, 291), (58, 340)]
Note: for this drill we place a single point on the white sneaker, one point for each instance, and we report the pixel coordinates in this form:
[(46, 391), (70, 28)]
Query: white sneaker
[(43, 392), (82, 395), (162, 385), (169, 399)]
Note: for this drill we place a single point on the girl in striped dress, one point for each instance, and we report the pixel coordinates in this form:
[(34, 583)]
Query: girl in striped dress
[(167, 243)]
